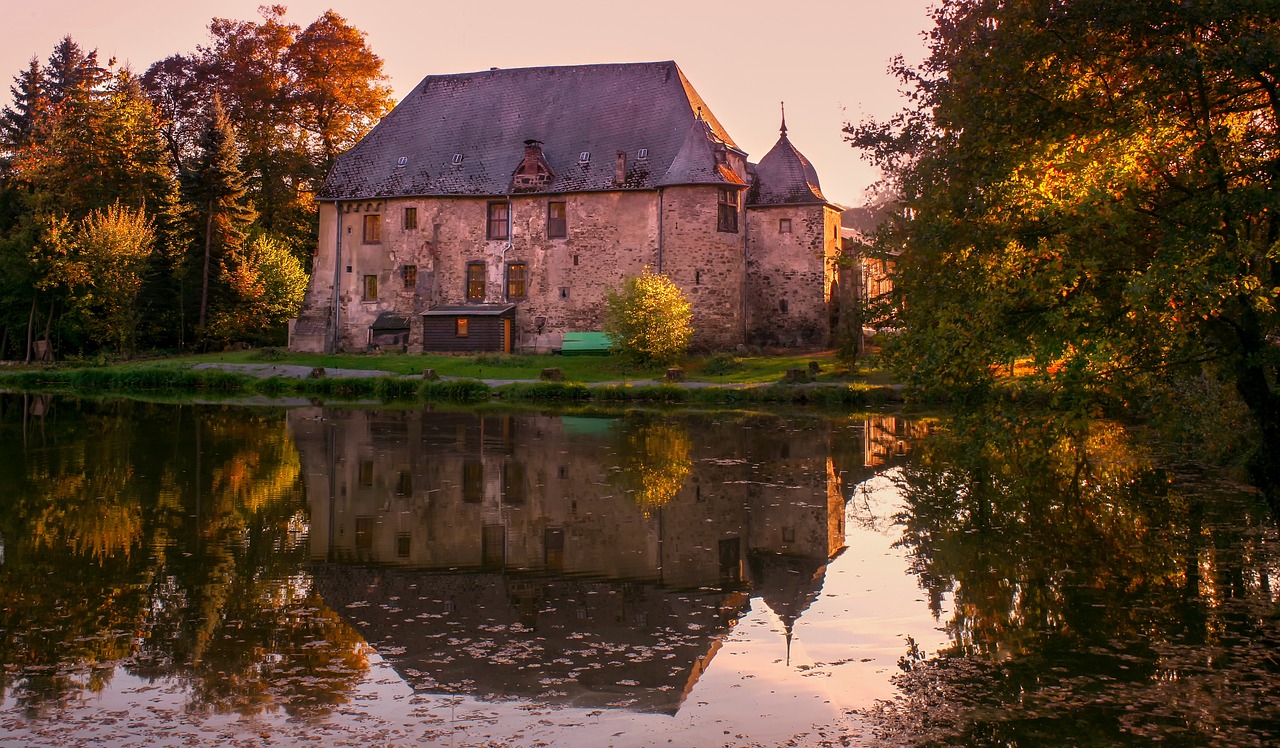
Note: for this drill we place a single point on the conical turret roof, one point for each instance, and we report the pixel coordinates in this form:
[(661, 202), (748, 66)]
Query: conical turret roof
[(785, 177)]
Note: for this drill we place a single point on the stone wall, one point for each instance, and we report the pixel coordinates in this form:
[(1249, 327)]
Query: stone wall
[(609, 235), (706, 264), (790, 274)]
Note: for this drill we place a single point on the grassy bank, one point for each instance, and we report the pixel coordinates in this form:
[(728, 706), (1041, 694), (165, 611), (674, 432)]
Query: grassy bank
[(717, 369), (176, 376)]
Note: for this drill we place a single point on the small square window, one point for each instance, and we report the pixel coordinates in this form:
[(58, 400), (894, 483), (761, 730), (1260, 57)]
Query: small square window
[(403, 544), (373, 229), (784, 225), (410, 276), (475, 281), (557, 225), (564, 293), (410, 218), (371, 288), (499, 218), (517, 281), (462, 330)]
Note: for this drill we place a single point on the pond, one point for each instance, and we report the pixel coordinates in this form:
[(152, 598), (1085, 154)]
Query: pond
[(209, 574)]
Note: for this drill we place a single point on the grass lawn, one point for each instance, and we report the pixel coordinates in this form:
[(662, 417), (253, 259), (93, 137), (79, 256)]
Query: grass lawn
[(720, 369)]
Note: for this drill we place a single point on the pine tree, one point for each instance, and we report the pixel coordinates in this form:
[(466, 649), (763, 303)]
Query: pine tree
[(17, 123), (216, 190), (72, 72)]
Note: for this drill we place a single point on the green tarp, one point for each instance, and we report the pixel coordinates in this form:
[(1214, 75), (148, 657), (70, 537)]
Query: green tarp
[(585, 344)]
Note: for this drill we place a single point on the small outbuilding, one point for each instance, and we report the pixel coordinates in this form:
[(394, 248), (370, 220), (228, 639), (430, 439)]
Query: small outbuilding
[(390, 331), (475, 328)]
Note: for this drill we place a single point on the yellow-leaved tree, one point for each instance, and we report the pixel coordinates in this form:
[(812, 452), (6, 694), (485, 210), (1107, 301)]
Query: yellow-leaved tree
[(649, 318)]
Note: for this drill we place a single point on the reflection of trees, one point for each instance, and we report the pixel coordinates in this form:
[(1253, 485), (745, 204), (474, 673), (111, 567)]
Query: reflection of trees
[(1095, 599), (653, 463), (190, 520)]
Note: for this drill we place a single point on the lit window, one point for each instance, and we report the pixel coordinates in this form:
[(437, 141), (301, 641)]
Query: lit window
[(373, 229), (727, 213), (475, 281), (411, 218), (463, 329), (557, 227), (410, 276), (517, 281), (371, 288), (784, 225), (499, 213)]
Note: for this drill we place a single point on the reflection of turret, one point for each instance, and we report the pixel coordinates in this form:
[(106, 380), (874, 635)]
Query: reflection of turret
[(488, 528), (589, 643), (788, 585)]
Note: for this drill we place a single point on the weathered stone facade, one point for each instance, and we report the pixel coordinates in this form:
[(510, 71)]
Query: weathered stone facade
[(536, 228)]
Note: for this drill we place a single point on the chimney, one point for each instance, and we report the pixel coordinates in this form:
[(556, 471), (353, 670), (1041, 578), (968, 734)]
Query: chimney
[(620, 169)]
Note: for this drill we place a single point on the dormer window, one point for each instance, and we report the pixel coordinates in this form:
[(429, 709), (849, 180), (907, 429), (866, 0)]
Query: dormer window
[(402, 161), (457, 159), (584, 157), (534, 172), (642, 154)]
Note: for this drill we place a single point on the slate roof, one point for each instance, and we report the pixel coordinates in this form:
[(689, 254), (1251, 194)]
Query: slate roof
[(696, 161), (785, 177), (487, 116)]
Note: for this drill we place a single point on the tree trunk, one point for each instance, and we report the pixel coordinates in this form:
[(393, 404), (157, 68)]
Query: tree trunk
[(48, 323), (208, 249), (31, 325)]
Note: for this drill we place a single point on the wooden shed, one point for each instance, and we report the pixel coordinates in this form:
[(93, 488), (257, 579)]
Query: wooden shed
[(390, 331), (470, 328)]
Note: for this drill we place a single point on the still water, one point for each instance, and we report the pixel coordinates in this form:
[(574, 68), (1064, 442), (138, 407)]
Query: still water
[(214, 574)]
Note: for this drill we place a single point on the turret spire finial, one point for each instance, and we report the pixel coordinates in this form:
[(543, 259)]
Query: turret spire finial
[(783, 131)]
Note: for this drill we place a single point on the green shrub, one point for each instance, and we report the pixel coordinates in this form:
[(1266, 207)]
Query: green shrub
[(395, 388), (457, 390), (721, 364), (545, 391)]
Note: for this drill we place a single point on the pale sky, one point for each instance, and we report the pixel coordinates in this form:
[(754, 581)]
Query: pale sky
[(826, 60)]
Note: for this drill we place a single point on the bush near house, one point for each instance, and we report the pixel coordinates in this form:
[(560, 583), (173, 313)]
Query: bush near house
[(649, 318)]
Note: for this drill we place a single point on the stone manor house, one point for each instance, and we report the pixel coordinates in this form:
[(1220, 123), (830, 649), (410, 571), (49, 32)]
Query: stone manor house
[(493, 210)]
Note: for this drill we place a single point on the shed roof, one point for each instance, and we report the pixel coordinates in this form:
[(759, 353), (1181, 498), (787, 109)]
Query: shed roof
[(470, 310), (464, 134)]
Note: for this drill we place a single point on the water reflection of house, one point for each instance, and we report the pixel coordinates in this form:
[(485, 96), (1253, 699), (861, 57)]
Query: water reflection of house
[(528, 527), (888, 439)]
